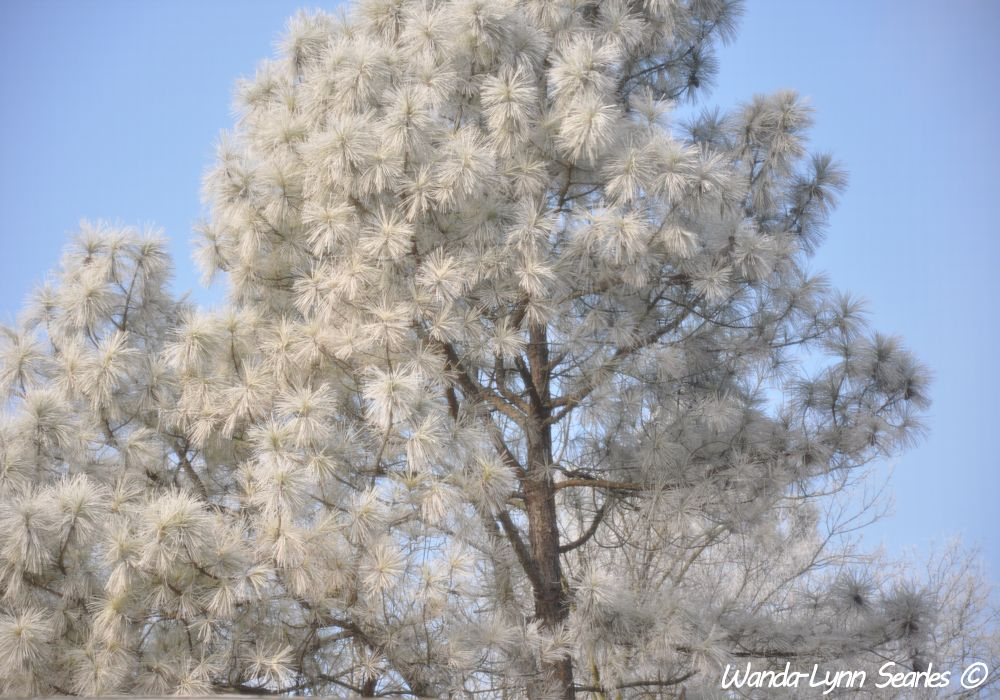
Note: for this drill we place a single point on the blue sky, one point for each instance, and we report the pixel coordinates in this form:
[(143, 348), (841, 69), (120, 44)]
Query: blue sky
[(111, 109)]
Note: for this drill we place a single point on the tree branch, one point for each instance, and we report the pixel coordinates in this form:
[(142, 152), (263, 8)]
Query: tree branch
[(582, 539)]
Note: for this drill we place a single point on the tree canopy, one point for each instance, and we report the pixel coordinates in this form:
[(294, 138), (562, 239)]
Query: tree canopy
[(523, 387)]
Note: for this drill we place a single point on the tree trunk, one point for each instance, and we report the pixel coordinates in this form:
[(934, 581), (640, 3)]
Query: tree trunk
[(540, 506)]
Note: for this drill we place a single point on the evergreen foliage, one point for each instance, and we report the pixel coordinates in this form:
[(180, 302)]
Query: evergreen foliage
[(522, 388)]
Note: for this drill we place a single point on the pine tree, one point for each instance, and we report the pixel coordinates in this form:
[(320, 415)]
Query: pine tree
[(522, 388)]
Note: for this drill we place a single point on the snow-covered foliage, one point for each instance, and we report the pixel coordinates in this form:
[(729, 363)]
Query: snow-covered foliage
[(522, 389)]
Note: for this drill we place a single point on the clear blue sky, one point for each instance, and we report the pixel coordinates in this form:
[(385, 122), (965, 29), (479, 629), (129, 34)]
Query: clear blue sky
[(110, 110)]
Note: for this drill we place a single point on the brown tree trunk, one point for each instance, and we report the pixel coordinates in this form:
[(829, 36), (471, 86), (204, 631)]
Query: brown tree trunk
[(540, 506)]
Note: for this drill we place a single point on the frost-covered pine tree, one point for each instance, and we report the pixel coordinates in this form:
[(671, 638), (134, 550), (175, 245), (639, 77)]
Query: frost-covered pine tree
[(522, 388)]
